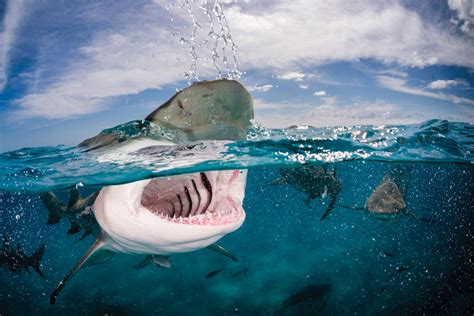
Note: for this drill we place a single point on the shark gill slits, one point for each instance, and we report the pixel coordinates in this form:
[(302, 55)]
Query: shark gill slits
[(173, 208), (180, 205), (198, 195), (190, 201), (208, 186)]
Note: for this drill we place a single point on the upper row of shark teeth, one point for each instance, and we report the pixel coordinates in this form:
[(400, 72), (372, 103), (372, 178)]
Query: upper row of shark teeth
[(209, 218)]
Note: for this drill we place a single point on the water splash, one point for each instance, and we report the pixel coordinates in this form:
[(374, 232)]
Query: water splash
[(210, 36)]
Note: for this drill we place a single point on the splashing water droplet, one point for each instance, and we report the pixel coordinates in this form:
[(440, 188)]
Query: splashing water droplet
[(209, 34)]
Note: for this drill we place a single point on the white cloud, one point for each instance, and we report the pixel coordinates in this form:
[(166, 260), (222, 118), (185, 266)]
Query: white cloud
[(289, 34), (297, 76), (262, 88), (443, 84), (465, 14), (11, 22), (320, 93), (303, 86), (400, 85), (113, 64)]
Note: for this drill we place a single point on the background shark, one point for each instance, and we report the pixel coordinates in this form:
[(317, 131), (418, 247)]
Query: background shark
[(314, 181), (16, 260)]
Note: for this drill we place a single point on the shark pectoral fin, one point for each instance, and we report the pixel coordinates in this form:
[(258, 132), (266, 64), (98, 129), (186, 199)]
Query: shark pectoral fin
[(219, 249), (53, 205), (74, 196), (95, 255)]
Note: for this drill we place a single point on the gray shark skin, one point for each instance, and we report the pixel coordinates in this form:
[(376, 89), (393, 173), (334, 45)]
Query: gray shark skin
[(162, 216), (314, 181), (386, 198), (16, 260), (207, 110)]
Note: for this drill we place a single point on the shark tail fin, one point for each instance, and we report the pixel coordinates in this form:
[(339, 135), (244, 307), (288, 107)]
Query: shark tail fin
[(35, 260), (53, 205), (96, 254)]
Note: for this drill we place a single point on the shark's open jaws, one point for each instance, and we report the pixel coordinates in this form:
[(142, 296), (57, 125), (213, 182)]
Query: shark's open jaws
[(171, 215)]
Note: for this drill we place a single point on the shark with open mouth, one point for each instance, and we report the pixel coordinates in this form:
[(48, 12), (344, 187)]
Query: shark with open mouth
[(176, 214)]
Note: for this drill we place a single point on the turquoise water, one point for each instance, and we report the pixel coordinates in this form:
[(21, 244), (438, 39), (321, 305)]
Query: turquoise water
[(290, 262)]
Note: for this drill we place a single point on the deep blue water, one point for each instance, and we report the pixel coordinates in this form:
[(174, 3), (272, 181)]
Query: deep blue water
[(364, 265)]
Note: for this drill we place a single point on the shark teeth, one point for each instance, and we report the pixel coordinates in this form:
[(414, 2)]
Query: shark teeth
[(213, 218)]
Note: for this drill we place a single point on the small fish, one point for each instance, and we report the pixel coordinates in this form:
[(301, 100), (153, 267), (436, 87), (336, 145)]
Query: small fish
[(214, 273), (241, 272), (388, 254), (155, 260), (323, 305)]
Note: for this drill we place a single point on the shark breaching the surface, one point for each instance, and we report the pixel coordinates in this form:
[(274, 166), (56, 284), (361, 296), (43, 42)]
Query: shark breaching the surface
[(177, 214)]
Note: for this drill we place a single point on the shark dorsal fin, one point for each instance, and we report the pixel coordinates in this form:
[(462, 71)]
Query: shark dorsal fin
[(96, 254)]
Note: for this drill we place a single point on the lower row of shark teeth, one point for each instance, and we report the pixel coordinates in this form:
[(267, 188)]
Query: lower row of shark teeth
[(209, 218)]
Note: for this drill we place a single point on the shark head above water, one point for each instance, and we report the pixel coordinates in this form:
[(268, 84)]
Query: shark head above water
[(177, 214)]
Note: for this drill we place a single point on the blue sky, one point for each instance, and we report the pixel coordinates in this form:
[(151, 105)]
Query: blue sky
[(69, 69)]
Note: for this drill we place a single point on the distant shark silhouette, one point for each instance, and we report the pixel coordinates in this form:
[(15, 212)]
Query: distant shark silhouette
[(168, 215), (16, 260), (387, 201), (309, 293), (314, 181)]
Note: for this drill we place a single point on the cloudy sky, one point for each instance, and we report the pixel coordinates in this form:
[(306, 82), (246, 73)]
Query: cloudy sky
[(71, 68)]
